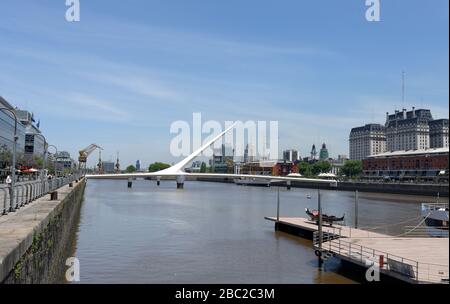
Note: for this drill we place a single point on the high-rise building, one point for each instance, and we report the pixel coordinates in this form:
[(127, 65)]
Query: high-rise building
[(313, 152), (408, 130), (403, 131), (367, 140), (438, 133), (291, 155), (34, 144), (138, 165), (323, 154)]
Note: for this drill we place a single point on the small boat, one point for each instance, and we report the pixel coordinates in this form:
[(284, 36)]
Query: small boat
[(314, 216), (308, 196)]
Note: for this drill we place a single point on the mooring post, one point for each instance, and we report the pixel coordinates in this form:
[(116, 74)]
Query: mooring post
[(319, 207), (278, 204), (288, 185), (130, 182), (356, 209)]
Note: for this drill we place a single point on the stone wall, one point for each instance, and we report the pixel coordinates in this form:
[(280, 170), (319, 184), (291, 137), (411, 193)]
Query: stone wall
[(44, 260)]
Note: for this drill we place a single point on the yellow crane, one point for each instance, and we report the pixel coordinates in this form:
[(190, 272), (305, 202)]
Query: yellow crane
[(82, 159)]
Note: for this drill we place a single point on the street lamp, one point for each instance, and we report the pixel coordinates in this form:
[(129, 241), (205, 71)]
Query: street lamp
[(13, 165), (45, 149), (56, 157)]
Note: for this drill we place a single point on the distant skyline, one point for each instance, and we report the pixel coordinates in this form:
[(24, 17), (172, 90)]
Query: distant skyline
[(127, 70)]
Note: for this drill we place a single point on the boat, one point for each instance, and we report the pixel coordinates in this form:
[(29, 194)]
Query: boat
[(245, 181), (330, 219), (436, 218), (308, 196)]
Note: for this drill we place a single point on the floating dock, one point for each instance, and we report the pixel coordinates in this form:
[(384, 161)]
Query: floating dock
[(416, 260)]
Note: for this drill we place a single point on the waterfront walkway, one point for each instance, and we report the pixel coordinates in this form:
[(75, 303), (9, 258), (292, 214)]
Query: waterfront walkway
[(410, 259), (17, 229)]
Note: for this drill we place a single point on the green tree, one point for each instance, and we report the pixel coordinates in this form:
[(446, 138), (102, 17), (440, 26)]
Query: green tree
[(5, 155), (352, 168), (304, 168), (203, 167), (130, 169), (158, 166), (321, 167)]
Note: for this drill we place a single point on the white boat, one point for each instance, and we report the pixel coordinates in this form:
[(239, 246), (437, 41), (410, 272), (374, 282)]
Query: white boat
[(252, 182)]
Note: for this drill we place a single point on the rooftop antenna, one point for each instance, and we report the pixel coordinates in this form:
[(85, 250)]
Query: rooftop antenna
[(403, 89)]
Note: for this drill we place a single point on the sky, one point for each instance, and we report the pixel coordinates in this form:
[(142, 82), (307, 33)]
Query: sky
[(123, 74)]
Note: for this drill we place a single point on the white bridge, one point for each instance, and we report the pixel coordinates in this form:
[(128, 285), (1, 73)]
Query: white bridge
[(177, 172)]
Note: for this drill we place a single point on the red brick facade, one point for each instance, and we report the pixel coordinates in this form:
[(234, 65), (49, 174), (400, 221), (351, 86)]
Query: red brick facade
[(414, 162)]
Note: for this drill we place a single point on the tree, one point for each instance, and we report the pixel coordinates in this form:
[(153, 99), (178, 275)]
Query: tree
[(130, 169), (304, 168), (321, 167), (203, 167), (352, 168), (5, 155), (158, 166)]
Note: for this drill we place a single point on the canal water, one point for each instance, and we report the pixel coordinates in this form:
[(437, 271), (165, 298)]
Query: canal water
[(213, 232)]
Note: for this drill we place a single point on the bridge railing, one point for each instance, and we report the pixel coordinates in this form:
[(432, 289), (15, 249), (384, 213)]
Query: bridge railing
[(26, 192)]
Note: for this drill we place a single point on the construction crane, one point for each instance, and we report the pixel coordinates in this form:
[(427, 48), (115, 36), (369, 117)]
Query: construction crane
[(82, 159)]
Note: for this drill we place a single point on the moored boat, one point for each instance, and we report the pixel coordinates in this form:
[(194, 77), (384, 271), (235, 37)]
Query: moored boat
[(314, 216)]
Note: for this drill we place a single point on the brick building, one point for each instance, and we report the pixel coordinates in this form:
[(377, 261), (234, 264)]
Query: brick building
[(426, 165)]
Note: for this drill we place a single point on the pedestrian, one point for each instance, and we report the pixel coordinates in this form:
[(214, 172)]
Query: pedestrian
[(8, 180)]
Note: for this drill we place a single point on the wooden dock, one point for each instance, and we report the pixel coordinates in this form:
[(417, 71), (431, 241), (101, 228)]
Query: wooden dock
[(409, 259)]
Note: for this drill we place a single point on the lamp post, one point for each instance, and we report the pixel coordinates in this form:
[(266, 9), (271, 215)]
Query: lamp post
[(56, 157), (13, 165), (45, 149)]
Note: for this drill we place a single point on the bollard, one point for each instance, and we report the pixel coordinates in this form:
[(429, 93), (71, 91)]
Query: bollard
[(381, 261), (70, 185), (130, 183), (288, 185), (54, 196)]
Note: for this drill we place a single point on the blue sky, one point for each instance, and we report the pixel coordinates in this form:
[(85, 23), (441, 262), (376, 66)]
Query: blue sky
[(128, 69)]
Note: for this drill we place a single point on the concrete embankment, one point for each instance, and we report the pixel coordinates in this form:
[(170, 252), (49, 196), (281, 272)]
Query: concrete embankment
[(393, 188), (34, 241)]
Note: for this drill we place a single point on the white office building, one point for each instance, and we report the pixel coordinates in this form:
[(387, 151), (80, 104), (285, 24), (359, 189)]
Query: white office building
[(367, 140)]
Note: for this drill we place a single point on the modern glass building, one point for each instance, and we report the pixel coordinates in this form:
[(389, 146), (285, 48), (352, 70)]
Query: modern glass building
[(7, 129)]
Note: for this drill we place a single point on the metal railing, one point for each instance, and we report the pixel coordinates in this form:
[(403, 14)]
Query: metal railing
[(435, 206), (26, 192), (412, 270), (425, 231)]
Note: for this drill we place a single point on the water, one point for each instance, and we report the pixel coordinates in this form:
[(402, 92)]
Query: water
[(212, 232)]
